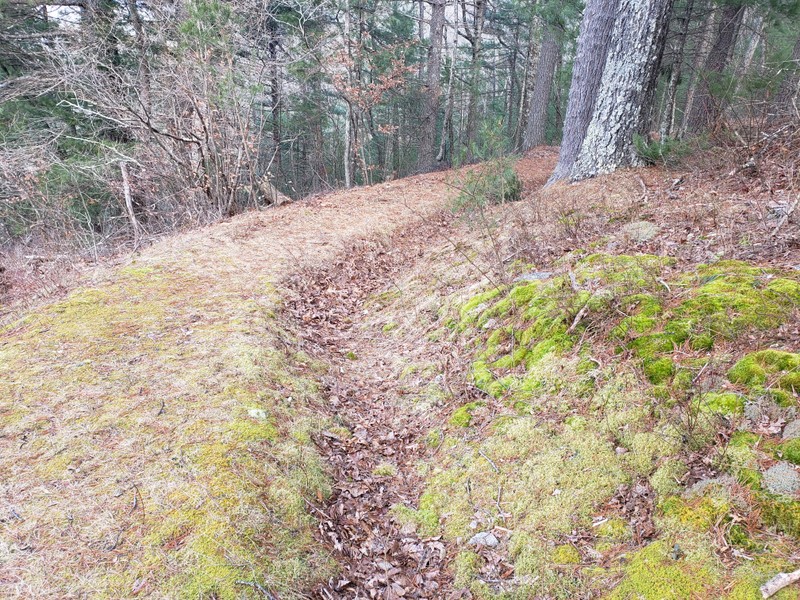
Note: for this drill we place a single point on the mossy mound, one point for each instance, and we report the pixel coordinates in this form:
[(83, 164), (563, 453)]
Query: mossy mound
[(611, 379)]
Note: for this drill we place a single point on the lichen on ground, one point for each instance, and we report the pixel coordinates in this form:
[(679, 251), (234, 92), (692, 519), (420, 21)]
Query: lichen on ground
[(610, 373), (156, 440)]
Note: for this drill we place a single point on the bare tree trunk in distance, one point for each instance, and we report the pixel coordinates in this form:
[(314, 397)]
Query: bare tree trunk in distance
[(475, 37), (676, 71), (627, 88), (700, 52), (706, 109), (427, 144), (587, 72), (789, 86), (536, 126), (531, 59)]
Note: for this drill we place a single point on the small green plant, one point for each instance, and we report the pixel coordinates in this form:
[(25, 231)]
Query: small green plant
[(668, 152), (495, 183)]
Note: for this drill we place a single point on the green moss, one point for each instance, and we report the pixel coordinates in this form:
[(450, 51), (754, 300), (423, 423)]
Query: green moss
[(666, 478), (653, 575), (659, 370), (566, 554), (755, 369), (465, 568), (698, 513), (780, 513), (389, 327), (790, 450), (462, 417), (725, 403), (646, 448), (614, 530)]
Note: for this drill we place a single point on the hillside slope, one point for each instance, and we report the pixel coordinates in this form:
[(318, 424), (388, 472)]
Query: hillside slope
[(155, 427), (591, 393)]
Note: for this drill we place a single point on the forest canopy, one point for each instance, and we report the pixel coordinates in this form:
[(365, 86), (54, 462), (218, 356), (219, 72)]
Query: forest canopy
[(124, 118)]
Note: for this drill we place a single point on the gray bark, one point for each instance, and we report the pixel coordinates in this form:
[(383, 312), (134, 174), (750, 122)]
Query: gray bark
[(627, 88), (587, 72), (537, 114), (427, 145), (707, 108), (676, 70)]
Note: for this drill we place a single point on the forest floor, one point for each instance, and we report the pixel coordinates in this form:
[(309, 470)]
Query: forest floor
[(295, 403)]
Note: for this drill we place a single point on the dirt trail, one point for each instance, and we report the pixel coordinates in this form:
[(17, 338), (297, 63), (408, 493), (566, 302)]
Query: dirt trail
[(375, 465), (155, 368)]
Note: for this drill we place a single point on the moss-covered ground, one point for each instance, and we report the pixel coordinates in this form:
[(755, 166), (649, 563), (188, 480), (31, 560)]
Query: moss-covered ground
[(155, 426), (156, 440), (615, 378)]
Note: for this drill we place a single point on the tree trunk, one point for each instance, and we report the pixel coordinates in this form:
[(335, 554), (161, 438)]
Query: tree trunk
[(531, 59), (700, 55), (787, 93), (348, 118), (706, 108), (427, 144), (275, 91), (587, 72), (475, 37), (540, 99), (627, 88), (447, 126), (676, 70)]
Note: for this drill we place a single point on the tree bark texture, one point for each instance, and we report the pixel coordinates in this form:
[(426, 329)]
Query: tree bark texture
[(707, 108), (536, 127), (587, 72), (475, 38), (627, 88)]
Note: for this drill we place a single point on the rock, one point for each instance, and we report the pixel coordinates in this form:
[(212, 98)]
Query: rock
[(257, 413), (535, 276), (484, 538), (792, 430), (640, 231), (782, 478)]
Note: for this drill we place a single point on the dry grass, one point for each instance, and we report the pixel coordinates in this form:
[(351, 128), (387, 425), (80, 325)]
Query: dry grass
[(156, 426)]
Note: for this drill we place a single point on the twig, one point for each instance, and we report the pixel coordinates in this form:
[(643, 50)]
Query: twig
[(785, 216), (581, 313), (777, 583), (489, 460), (259, 587)]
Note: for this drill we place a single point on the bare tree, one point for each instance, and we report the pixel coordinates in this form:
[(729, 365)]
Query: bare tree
[(587, 73), (542, 87), (427, 143), (627, 88), (708, 105)]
